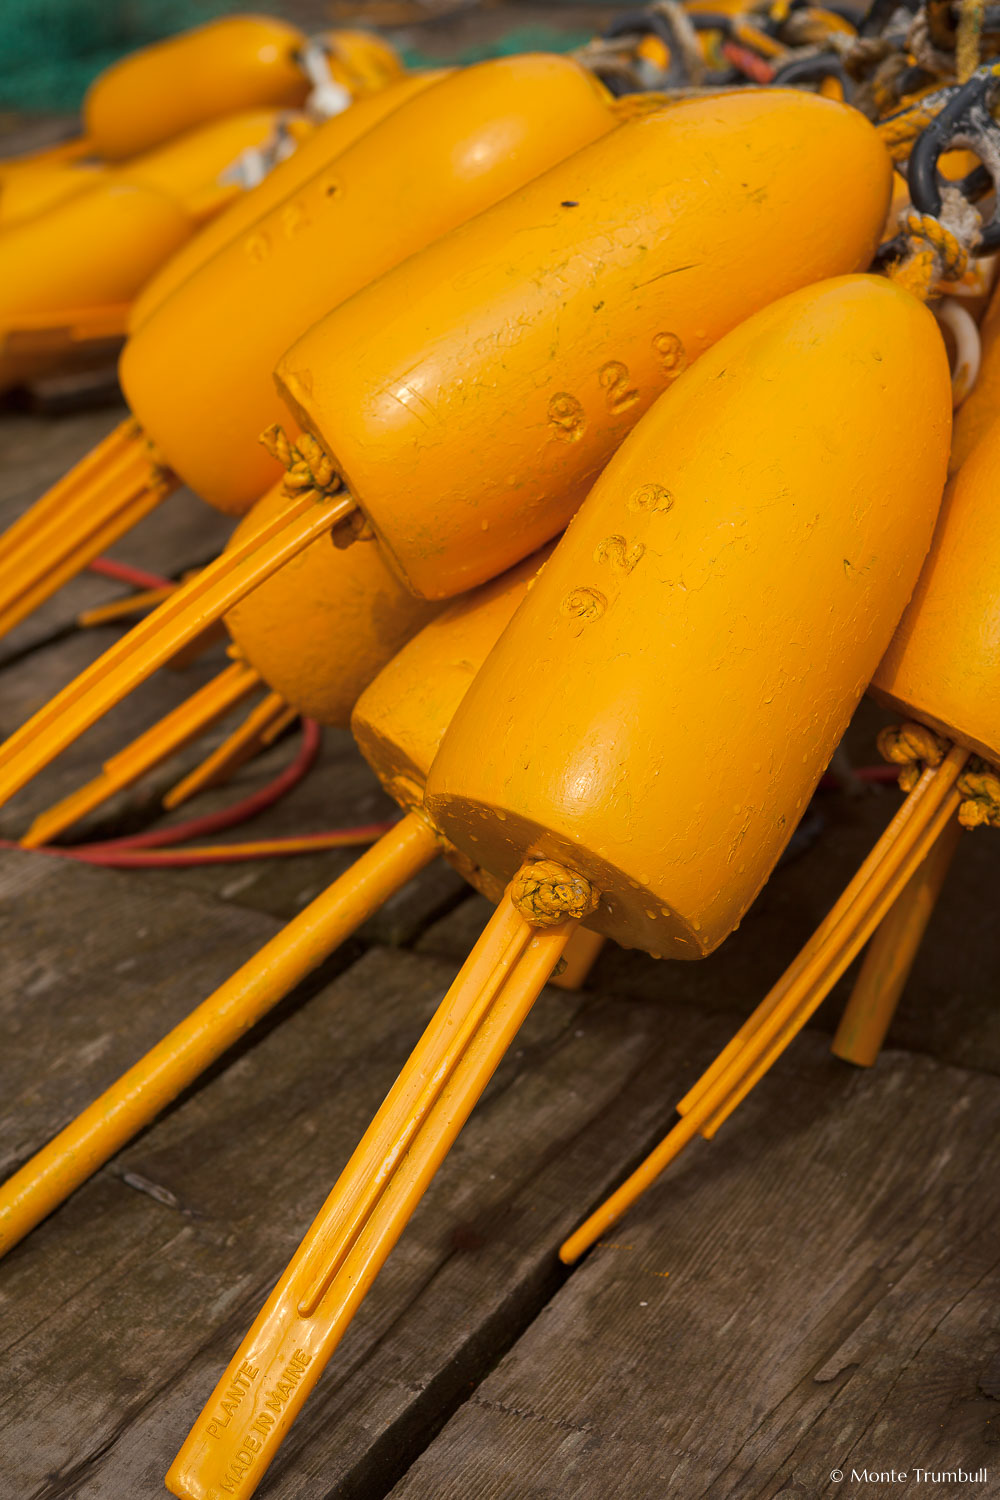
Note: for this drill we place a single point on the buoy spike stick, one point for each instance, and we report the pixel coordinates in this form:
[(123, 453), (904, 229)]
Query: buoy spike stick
[(180, 619), (890, 957), (59, 541), (327, 1279), (235, 750), (193, 1045), (139, 603), (840, 954), (175, 730), (124, 439), (909, 813), (776, 1023)]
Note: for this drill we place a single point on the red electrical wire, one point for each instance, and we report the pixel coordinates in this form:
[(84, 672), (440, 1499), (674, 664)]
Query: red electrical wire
[(142, 850), (240, 812), (125, 573)]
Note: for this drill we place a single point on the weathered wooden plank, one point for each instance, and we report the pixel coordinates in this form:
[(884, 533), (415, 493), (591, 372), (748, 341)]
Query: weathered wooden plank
[(810, 1292), (156, 1286), (97, 967)]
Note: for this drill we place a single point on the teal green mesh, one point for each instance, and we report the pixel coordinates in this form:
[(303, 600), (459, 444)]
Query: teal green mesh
[(50, 50)]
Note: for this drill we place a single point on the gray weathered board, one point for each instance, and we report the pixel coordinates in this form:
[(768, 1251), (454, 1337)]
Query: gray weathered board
[(119, 1312), (818, 1290), (831, 1257)]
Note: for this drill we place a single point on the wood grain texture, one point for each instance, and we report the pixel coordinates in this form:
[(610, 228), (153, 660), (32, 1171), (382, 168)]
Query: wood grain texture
[(122, 1308), (814, 1290)]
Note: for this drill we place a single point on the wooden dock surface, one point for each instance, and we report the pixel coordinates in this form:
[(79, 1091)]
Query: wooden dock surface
[(815, 1290)]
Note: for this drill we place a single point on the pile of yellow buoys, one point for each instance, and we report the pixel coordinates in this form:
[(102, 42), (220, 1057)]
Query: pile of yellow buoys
[(587, 420)]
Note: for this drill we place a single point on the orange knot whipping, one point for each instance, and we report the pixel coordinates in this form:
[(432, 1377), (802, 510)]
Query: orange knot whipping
[(937, 246), (308, 466), (546, 893), (912, 746), (947, 247), (980, 786)]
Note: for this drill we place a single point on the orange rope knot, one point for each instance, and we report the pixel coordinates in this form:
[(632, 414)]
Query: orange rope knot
[(546, 893), (936, 252), (309, 468), (912, 746), (980, 786)]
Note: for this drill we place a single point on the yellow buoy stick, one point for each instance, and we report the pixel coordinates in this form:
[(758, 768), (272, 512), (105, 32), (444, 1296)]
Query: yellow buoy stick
[(186, 1051), (241, 569), (779, 1023), (796, 1010), (235, 750), (890, 957), (175, 730), (120, 443), (139, 603), (93, 511), (906, 819), (307, 1314), (46, 583)]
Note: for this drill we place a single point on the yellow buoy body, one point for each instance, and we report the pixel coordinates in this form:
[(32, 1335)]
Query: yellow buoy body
[(193, 169), (197, 167), (361, 61), (660, 709), (198, 374), (400, 719), (499, 369), (981, 407), (322, 627), (91, 250), (311, 155), (233, 64), (27, 193), (943, 664)]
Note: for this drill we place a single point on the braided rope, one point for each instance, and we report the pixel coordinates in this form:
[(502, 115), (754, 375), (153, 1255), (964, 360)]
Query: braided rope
[(980, 786), (913, 747), (547, 893)]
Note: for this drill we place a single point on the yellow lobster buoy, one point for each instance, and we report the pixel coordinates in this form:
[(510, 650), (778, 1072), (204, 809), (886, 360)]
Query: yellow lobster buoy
[(198, 370), (798, 430), (323, 143), (603, 289), (232, 64), (938, 673), (70, 272), (498, 370), (61, 290)]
